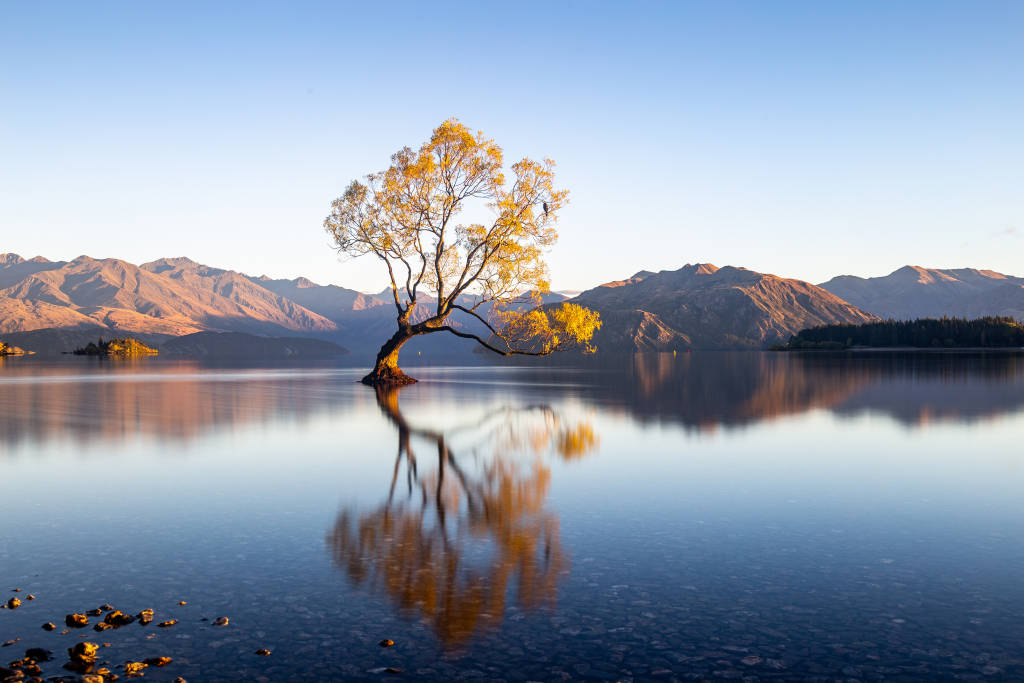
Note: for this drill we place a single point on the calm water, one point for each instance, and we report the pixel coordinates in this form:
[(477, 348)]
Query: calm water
[(751, 516)]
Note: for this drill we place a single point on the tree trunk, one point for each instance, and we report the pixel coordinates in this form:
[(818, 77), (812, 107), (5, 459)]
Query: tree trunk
[(386, 371)]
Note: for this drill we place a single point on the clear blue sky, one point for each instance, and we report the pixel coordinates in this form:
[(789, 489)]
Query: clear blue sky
[(804, 139)]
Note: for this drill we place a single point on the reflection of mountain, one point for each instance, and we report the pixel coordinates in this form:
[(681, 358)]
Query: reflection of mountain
[(92, 401), (705, 391), (458, 540), (129, 398)]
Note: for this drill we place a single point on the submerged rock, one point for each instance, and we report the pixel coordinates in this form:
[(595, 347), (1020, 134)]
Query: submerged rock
[(387, 642), (166, 624), (38, 654), (158, 661), (263, 652), (220, 621), (49, 626)]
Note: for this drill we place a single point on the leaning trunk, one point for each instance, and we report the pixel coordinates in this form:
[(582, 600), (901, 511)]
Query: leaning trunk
[(385, 370)]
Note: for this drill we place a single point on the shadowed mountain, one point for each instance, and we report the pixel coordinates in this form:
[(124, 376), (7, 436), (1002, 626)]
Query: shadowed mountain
[(55, 341), (332, 302), (241, 346), (704, 307), (914, 292)]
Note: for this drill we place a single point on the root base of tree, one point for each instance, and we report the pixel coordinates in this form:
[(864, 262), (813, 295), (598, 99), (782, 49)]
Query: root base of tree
[(388, 377)]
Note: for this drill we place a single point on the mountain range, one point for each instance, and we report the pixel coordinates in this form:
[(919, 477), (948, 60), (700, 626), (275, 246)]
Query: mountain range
[(915, 292), (702, 306), (55, 303)]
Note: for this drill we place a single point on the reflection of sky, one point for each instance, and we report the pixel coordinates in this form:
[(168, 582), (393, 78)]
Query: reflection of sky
[(809, 508)]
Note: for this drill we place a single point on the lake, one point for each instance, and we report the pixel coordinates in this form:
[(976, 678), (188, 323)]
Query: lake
[(735, 515)]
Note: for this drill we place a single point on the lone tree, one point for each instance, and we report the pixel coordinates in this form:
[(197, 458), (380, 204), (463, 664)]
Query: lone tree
[(492, 272)]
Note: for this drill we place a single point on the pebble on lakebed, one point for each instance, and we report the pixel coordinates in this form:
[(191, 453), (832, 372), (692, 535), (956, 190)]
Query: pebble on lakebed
[(220, 621), (13, 603)]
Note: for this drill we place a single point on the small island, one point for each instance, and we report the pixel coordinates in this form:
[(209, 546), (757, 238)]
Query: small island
[(923, 333), (8, 350), (126, 346)]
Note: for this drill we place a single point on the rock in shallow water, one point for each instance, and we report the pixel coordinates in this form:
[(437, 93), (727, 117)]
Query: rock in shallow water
[(76, 620), (13, 603), (118, 618), (221, 621), (134, 669), (83, 652)]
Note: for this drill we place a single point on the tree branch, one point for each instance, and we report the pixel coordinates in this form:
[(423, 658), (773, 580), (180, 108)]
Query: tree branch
[(481, 342)]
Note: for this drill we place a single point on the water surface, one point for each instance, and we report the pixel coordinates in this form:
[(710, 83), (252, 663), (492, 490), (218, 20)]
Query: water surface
[(694, 517)]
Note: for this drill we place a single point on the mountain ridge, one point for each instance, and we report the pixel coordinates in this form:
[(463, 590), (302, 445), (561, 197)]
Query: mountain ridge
[(915, 292)]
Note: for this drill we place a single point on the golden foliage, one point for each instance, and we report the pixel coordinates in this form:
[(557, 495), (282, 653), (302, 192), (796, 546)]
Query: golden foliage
[(545, 330), (408, 217)]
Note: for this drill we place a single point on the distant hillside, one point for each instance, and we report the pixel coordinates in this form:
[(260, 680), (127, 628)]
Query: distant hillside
[(705, 307), (240, 346), (914, 292), (332, 302)]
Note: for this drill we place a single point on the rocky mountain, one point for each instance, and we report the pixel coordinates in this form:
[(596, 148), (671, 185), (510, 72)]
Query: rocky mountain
[(54, 303), (915, 292), (170, 296), (332, 302), (705, 307)]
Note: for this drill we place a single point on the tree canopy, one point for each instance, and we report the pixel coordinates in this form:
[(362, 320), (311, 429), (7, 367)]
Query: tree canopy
[(491, 271)]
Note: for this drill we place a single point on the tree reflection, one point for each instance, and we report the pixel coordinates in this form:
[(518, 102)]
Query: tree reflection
[(469, 536)]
